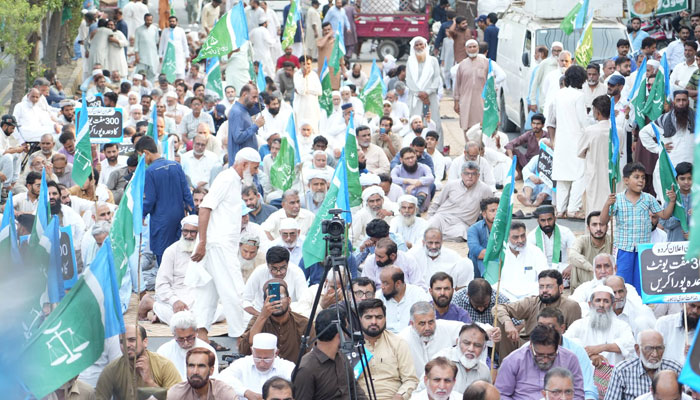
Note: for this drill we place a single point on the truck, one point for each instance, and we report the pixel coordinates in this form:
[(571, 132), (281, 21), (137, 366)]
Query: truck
[(525, 26)]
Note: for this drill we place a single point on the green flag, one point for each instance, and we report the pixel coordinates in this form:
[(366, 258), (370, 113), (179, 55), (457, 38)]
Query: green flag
[(694, 237), (290, 25), (282, 170), (128, 220), (638, 103), (72, 337), (654, 105), (326, 98), (82, 161), (498, 238), (213, 77), (613, 150), (584, 49), (667, 173), (169, 67), (338, 52), (229, 33), (352, 170), (374, 91), (567, 24), (490, 120)]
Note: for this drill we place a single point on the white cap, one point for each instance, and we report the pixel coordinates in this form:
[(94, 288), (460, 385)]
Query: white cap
[(603, 289), (265, 341), (268, 134), (370, 191), (138, 76), (191, 219), (557, 44), (170, 93), (408, 199), (288, 223), (136, 107), (317, 174), (247, 154), (369, 179)]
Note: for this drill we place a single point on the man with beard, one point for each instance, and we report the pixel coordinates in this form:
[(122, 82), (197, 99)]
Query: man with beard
[(434, 258), (633, 377), (606, 338), (183, 325), (603, 267), (522, 264), (552, 81), (393, 373), (636, 33), (553, 239), (219, 231), (276, 119), (259, 210), (178, 37), (166, 196), (442, 290), (66, 215), (554, 318), (291, 208), (585, 248), (398, 297), (550, 290), (439, 381), (275, 317), (242, 131), (593, 87), (530, 140), (66, 115), (409, 226), (672, 328), (46, 146), (110, 163), (385, 138), (386, 252), (290, 239), (469, 356), (455, 208), (676, 129), (199, 162), (423, 81), (460, 33), (201, 365), (544, 68), (376, 160), (249, 255), (152, 369), (375, 206), (478, 234), (118, 179), (473, 151), (523, 372), (638, 316), (318, 182), (414, 177)]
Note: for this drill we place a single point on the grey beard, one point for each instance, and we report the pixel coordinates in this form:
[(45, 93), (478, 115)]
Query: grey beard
[(468, 363), (186, 245), (410, 220), (318, 197), (247, 178), (515, 247), (601, 322), (432, 253), (246, 265), (647, 364)]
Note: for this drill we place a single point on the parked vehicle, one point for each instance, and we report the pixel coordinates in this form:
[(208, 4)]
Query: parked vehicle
[(393, 24)]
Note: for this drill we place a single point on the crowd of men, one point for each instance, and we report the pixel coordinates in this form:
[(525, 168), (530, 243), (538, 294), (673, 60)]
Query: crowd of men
[(568, 309)]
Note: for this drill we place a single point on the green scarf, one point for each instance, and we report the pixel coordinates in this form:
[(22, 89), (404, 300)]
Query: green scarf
[(556, 251)]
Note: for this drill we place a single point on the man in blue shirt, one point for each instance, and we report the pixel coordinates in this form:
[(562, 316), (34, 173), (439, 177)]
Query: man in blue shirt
[(241, 128), (637, 34), (478, 234), (491, 35), (166, 196), (441, 290), (337, 17)]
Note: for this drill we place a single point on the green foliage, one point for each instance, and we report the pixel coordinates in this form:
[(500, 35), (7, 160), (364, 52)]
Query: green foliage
[(19, 20)]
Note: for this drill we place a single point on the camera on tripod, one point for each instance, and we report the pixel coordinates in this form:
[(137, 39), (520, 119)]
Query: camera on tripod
[(334, 229)]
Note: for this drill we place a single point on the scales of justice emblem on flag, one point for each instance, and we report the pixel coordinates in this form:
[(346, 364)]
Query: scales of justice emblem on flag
[(65, 346)]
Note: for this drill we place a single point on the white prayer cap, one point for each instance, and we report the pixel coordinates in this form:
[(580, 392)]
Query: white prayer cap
[(190, 220), (471, 41), (268, 134), (288, 224), (135, 107), (305, 122), (369, 179), (96, 72), (345, 89), (389, 58), (262, 19), (171, 94), (317, 152), (138, 76), (247, 154), (413, 118), (601, 289), (653, 63), (408, 199), (317, 174), (265, 341), (335, 93), (371, 191), (557, 44)]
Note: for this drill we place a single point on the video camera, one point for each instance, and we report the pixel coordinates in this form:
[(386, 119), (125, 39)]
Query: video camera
[(334, 229)]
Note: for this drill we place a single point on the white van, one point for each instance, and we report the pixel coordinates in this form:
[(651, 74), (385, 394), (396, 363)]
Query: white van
[(521, 31)]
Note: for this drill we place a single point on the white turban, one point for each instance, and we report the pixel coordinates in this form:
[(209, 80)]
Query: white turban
[(653, 63), (190, 220), (370, 191), (335, 93), (413, 118), (369, 179), (247, 154), (138, 76), (317, 174), (418, 39), (557, 44), (408, 199)]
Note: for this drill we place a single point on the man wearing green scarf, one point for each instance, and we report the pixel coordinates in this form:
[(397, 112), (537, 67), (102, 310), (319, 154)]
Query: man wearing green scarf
[(554, 240)]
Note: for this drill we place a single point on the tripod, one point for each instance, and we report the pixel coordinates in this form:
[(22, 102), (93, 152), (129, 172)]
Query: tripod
[(353, 345)]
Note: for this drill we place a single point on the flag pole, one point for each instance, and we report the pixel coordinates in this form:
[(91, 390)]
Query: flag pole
[(685, 320), (612, 220), (138, 294), (495, 311)]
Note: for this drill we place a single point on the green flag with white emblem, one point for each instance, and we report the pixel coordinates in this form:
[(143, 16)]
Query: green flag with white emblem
[(490, 120), (169, 66), (654, 105)]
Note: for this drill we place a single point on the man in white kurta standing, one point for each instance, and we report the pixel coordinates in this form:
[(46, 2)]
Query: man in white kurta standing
[(219, 275), (263, 43), (274, 27), (313, 30), (179, 38), (565, 125), (133, 14), (307, 88), (146, 48), (423, 81), (468, 85)]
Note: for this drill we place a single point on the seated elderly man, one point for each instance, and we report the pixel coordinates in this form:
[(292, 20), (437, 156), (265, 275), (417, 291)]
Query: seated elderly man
[(89, 247), (638, 316), (665, 385), (247, 375), (34, 117), (472, 152), (277, 267), (607, 339), (398, 297), (249, 254), (291, 208), (375, 206), (672, 328), (522, 264), (184, 329), (318, 182), (457, 206), (409, 226), (469, 356), (290, 239), (386, 253), (415, 178), (603, 267), (434, 257), (633, 377)]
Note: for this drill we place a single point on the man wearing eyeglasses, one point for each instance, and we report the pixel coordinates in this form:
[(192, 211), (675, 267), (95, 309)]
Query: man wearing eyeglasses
[(184, 327), (632, 378), (558, 384), (522, 373), (248, 374)]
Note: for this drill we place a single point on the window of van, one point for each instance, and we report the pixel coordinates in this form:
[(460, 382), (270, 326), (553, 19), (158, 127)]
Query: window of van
[(604, 39)]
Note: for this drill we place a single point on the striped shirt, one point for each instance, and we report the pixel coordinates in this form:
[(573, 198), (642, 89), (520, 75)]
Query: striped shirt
[(633, 221), (630, 379)]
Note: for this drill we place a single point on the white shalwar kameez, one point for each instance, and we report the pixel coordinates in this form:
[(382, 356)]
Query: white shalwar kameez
[(307, 90), (683, 144), (182, 51), (263, 43), (242, 375), (618, 333), (146, 46), (460, 269)]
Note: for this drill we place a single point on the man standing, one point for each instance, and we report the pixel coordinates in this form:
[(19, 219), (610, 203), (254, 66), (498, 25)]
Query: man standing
[(219, 232), (593, 87), (684, 70), (201, 365), (325, 44), (460, 33), (423, 81), (392, 368), (313, 30), (307, 89), (545, 67), (263, 42), (586, 248), (242, 130), (210, 13), (134, 13), (469, 82), (567, 119), (675, 49), (491, 35), (337, 17), (637, 34), (166, 196), (179, 39), (593, 148), (322, 373)]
